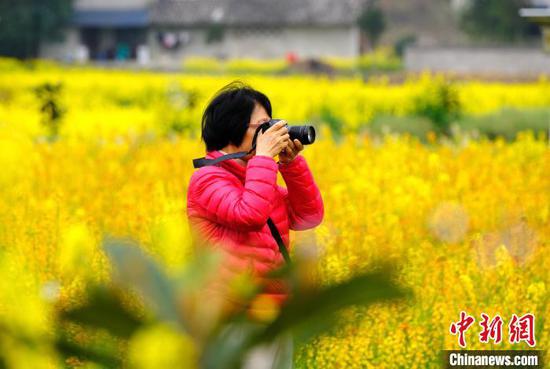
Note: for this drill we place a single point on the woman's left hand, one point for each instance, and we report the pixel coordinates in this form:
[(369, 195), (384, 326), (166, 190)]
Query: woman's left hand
[(290, 151)]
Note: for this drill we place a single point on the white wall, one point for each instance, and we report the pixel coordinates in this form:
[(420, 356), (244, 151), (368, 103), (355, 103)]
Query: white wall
[(64, 50), (305, 42), (320, 42), (493, 61)]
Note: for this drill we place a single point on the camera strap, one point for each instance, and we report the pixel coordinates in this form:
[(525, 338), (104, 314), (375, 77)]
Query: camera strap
[(277, 236), (201, 162)]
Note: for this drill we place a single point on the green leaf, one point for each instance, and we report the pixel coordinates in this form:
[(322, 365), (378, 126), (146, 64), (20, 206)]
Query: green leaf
[(306, 314), (104, 310), (313, 312), (134, 269), (68, 349), (199, 269), (229, 345)]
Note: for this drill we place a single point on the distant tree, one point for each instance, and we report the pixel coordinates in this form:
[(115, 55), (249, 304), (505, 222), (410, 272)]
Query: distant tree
[(497, 20), (372, 22), (214, 33), (25, 24)]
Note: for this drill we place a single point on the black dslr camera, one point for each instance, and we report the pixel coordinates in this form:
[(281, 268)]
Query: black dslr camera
[(305, 134)]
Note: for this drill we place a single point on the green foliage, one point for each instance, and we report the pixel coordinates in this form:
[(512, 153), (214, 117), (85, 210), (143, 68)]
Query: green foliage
[(104, 310), (132, 269), (508, 122), (328, 117), (440, 103), (496, 20), (383, 124), (372, 21), (382, 59), (402, 43), (48, 94), (24, 24), (70, 350), (215, 33), (310, 311)]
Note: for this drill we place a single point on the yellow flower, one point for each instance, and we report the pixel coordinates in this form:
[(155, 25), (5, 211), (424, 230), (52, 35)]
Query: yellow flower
[(77, 249), (161, 346), (263, 308)]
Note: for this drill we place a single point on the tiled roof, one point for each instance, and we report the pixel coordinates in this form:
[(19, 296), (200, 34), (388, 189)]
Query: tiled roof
[(256, 12), (108, 18)]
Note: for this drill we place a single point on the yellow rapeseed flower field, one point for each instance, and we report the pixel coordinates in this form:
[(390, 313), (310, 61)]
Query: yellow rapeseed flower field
[(467, 222)]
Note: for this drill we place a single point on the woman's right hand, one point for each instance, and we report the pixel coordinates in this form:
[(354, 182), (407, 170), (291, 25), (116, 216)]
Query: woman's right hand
[(273, 140)]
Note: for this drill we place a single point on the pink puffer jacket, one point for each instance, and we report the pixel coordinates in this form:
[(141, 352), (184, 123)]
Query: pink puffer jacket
[(228, 204)]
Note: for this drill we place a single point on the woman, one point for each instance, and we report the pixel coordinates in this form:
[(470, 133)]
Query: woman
[(228, 204)]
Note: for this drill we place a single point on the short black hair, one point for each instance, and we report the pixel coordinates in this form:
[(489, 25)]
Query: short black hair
[(226, 118)]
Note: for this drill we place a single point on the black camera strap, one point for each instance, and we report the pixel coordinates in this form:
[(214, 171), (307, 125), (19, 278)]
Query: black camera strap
[(201, 162), (277, 236)]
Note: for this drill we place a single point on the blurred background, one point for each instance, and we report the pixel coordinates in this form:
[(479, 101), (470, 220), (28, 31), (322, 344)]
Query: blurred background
[(493, 37)]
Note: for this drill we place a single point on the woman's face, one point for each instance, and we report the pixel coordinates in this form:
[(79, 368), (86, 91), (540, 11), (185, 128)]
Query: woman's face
[(259, 116)]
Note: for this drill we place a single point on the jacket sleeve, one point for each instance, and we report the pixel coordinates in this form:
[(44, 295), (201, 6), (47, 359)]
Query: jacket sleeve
[(223, 201), (304, 202)]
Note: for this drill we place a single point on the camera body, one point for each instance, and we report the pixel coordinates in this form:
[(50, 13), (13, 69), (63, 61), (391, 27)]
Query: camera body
[(305, 134)]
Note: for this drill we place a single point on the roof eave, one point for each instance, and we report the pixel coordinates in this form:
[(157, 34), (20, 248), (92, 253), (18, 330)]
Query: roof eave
[(536, 15), (251, 24)]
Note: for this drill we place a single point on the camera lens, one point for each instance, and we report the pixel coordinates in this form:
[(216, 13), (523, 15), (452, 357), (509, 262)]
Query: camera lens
[(310, 134), (305, 134)]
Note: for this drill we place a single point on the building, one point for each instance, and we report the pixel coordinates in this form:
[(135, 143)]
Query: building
[(164, 32), (493, 61), (104, 30), (539, 13)]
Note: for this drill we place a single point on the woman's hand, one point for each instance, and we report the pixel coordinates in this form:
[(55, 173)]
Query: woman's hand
[(290, 152), (273, 140)]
